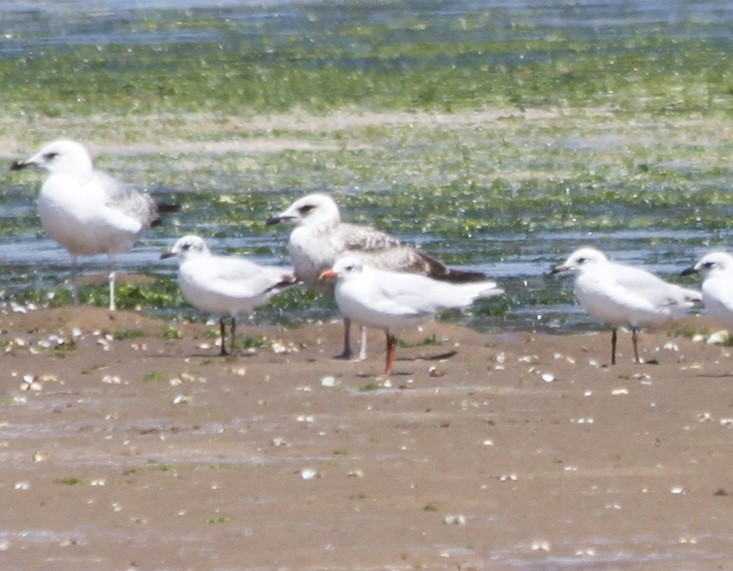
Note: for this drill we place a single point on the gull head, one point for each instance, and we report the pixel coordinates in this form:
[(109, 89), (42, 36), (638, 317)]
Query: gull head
[(710, 264), (60, 157), (580, 260), (187, 247), (343, 268), (312, 209)]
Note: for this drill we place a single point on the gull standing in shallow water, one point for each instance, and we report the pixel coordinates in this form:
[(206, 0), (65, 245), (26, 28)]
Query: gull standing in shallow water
[(320, 238), (224, 285), (716, 268), (622, 295), (394, 300), (85, 210)]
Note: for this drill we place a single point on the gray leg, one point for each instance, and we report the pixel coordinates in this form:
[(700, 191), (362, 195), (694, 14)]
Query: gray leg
[(614, 339)]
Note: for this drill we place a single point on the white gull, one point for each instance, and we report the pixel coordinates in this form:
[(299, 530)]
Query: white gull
[(226, 286), (394, 300), (320, 238), (623, 295), (716, 269), (85, 210)]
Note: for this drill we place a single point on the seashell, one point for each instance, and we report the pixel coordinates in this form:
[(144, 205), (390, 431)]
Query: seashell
[(458, 519), (541, 545), (718, 338), (329, 381), (308, 474)]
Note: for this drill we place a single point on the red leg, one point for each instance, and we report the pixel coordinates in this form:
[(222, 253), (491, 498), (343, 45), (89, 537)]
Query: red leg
[(391, 352)]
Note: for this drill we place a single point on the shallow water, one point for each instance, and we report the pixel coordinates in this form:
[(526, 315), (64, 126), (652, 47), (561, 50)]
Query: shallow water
[(613, 206)]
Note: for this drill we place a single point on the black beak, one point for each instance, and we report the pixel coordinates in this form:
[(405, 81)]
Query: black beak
[(19, 165), (556, 270), (275, 220), (688, 271), (165, 255)]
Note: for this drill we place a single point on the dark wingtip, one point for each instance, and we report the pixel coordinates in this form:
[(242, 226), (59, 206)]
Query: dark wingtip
[(164, 208), (464, 276), (167, 207)]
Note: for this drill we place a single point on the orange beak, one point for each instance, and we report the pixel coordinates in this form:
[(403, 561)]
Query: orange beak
[(328, 275)]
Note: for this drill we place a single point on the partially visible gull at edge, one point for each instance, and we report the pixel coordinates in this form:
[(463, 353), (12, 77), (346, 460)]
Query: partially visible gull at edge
[(716, 269)]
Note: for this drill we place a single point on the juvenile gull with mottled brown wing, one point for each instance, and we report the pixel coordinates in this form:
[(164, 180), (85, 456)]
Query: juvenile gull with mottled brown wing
[(320, 238)]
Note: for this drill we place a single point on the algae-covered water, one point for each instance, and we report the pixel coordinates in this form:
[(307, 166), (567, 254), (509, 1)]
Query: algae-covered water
[(497, 135)]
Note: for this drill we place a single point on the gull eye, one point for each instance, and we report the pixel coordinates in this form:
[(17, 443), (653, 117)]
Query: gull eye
[(306, 208), (582, 261), (708, 265), (50, 155)]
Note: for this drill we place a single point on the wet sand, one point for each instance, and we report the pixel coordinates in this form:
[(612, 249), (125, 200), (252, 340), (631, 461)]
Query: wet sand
[(123, 449)]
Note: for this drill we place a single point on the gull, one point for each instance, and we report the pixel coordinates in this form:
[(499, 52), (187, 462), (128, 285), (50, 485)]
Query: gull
[(226, 286), (85, 210), (623, 295), (716, 268), (319, 238), (394, 300)]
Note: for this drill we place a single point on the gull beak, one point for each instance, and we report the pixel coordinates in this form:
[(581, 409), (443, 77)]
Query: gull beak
[(19, 165), (168, 254), (558, 269), (277, 218), (328, 275), (689, 271)]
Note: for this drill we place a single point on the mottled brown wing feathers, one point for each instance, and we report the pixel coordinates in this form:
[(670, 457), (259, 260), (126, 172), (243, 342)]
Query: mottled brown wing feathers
[(439, 271), (365, 239)]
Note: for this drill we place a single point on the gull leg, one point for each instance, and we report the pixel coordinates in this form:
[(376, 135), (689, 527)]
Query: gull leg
[(346, 354), (363, 344), (635, 341), (234, 331), (75, 279), (223, 333), (112, 305), (112, 276), (614, 339), (391, 352)]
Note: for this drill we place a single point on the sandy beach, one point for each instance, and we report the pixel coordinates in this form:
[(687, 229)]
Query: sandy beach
[(125, 449)]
